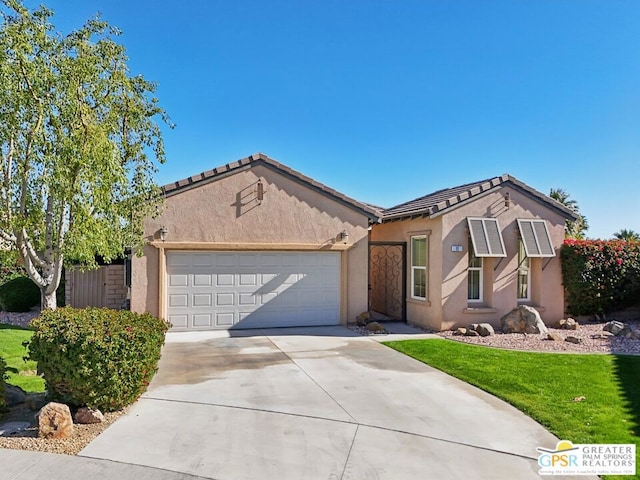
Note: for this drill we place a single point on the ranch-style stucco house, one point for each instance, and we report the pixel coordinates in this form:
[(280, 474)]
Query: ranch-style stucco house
[(256, 244)]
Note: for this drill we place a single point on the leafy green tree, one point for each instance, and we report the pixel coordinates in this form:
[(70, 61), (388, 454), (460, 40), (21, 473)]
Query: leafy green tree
[(79, 144), (578, 228), (627, 235)]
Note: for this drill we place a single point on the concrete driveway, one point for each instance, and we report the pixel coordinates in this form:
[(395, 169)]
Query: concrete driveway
[(315, 403)]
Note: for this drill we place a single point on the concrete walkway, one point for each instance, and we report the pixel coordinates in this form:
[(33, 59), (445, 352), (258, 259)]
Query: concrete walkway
[(313, 403)]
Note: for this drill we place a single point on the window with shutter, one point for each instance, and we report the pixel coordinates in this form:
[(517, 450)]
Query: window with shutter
[(535, 238), (486, 237)]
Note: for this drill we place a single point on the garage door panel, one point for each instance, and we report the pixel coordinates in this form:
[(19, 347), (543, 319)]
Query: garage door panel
[(202, 320), (225, 260), (225, 319), (225, 280), (269, 260), (225, 299), (202, 260), (179, 321), (177, 280), (202, 280), (247, 299), (248, 279), (208, 290), (202, 300), (178, 300)]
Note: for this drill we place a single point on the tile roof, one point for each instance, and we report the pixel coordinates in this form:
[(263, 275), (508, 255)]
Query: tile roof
[(261, 159), (437, 203)]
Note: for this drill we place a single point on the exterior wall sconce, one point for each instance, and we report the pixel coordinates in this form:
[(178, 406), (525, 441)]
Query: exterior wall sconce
[(344, 236), (507, 200), (163, 233), (260, 191)]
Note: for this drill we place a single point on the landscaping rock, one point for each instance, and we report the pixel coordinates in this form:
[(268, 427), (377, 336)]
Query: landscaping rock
[(54, 421), (614, 327), (35, 401), (362, 319), (11, 428), (471, 333), (14, 395), (524, 319), (86, 415), (602, 335), (375, 327), (555, 337), (460, 331), (571, 339), (485, 329), (628, 332), (568, 324)]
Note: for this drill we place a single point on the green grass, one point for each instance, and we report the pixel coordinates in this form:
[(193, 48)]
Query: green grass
[(543, 386), (21, 373)]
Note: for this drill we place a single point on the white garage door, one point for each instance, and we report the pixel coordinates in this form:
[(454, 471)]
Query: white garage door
[(220, 290)]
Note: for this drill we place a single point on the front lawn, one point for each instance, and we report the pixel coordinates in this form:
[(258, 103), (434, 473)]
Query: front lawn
[(581, 398), (21, 373)]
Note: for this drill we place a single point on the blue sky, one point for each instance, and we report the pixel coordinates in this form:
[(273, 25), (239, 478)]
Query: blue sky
[(387, 101)]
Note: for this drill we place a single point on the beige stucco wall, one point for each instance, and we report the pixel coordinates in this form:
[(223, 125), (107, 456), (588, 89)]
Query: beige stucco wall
[(447, 305), (225, 214)]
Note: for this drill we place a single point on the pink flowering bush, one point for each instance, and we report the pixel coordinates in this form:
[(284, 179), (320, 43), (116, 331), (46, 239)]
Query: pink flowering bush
[(600, 276)]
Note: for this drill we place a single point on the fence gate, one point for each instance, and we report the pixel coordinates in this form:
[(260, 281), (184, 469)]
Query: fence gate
[(387, 279)]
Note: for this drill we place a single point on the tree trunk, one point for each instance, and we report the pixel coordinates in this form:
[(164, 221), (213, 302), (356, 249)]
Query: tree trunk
[(48, 301)]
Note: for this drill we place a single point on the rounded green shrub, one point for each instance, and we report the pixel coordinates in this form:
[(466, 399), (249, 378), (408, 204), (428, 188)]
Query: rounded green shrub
[(600, 276), (96, 357), (19, 294)]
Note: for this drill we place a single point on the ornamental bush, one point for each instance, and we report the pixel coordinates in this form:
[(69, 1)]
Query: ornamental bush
[(96, 357), (19, 294), (600, 276)]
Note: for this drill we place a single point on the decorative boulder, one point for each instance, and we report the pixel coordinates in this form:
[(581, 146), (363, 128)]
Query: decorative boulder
[(460, 331), (86, 415), (54, 421), (568, 324), (375, 327), (614, 327), (524, 319), (485, 329), (362, 319)]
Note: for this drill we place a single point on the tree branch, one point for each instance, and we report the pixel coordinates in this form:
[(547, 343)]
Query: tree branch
[(31, 252), (9, 237)]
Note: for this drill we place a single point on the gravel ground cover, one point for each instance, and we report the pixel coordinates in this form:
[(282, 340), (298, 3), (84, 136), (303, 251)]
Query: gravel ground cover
[(587, 333)]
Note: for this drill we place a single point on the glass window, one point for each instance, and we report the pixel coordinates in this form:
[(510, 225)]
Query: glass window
[(524, 263), (474, 276), (419, 267)]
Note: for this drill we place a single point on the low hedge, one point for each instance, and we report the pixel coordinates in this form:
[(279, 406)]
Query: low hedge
[(96, 357), (600, 276), (19, 294)]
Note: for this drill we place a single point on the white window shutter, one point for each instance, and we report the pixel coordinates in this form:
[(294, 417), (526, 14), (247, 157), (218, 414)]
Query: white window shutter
[(486, 237), (535, 237)]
